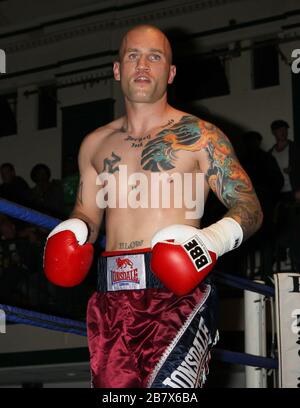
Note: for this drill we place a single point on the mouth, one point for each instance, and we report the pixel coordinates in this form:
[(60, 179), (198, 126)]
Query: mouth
[(142, 79)]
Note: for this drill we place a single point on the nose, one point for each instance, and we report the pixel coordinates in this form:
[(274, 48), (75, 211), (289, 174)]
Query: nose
[(142, 64)]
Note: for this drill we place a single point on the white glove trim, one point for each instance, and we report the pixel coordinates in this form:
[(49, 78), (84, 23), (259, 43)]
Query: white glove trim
[(77, 226)]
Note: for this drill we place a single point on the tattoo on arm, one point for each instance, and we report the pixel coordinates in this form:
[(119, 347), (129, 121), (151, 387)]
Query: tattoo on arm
[(231, 184)]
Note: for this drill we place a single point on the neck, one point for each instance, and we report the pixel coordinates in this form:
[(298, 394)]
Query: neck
[(142, 117), (281, 145)]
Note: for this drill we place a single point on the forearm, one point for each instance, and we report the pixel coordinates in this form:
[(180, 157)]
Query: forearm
[(92, 226), (248, 214)]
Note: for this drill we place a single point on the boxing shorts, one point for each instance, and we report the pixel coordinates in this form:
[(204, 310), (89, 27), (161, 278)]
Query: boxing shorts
[(142, 335)]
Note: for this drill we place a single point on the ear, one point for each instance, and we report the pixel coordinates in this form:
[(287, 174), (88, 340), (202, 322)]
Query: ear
[(116, 70), (172, 74)]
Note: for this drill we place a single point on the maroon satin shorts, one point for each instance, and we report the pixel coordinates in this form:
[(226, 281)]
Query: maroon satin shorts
[(142, 335)]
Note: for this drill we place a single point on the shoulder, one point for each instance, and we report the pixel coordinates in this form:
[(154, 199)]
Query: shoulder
[(201, 135), (100, 135), (195, 123), (207, 132)]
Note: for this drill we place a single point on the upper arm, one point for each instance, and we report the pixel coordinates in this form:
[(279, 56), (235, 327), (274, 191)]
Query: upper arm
[(86, 203), (223, 172)]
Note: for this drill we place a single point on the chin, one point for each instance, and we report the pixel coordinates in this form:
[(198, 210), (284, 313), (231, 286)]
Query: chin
[(144, 97), (140, 98)]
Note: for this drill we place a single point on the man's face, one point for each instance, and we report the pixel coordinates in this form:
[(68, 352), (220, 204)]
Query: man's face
[(41, 176), (144, 68), (281, 134)]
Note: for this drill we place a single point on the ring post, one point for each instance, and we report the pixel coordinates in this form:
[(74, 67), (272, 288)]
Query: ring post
[(255, 337)]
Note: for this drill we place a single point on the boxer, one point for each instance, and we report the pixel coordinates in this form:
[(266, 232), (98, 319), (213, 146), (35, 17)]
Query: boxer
[(152, 320)]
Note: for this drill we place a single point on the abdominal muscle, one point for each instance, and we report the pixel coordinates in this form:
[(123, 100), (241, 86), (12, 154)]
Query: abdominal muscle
[(128, 229)]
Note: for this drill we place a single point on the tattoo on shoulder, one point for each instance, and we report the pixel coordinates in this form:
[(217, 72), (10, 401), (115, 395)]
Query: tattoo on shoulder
[(159, 154), (130, 245), (110, 163)]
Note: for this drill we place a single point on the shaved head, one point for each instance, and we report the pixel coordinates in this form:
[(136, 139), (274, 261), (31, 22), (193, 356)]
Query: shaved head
[(145, 64), (150, 29)]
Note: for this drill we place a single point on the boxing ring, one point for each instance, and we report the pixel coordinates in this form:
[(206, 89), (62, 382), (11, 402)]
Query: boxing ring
[(252, 361)]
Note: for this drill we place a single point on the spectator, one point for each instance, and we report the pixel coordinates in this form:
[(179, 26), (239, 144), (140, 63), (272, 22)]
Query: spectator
[(46, 195), (19, 261), (264, 172), (268, 181), (13, 187), (285, 152)]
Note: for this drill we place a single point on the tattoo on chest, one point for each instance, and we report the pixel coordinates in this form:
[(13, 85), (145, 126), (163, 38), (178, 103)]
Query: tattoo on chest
[(140, 141), (110, 163), (137, 141), (170, 122), (130, 245), (159, 154)]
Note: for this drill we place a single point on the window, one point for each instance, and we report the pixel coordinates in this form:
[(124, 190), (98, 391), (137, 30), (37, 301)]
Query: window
[(199, 78), (265, 66), (8, 111), (47, 107)]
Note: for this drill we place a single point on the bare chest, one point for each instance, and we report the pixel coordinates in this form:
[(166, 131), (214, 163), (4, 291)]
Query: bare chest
[(145, 154)]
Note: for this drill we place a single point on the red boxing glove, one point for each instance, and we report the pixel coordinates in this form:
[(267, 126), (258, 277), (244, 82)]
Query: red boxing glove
[(67, 259), (182, 265)]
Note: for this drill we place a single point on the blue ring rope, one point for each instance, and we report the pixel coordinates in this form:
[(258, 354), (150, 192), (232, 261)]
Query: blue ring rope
[(235, 357), (26, 214), (34, 217), (244, 284), (18, 315)]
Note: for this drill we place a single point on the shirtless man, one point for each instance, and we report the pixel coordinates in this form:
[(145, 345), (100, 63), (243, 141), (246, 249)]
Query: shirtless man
[(151, 322)]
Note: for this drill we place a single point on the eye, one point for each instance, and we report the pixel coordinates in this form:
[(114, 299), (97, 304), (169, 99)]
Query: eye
[(155, 57), (132, 56)]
